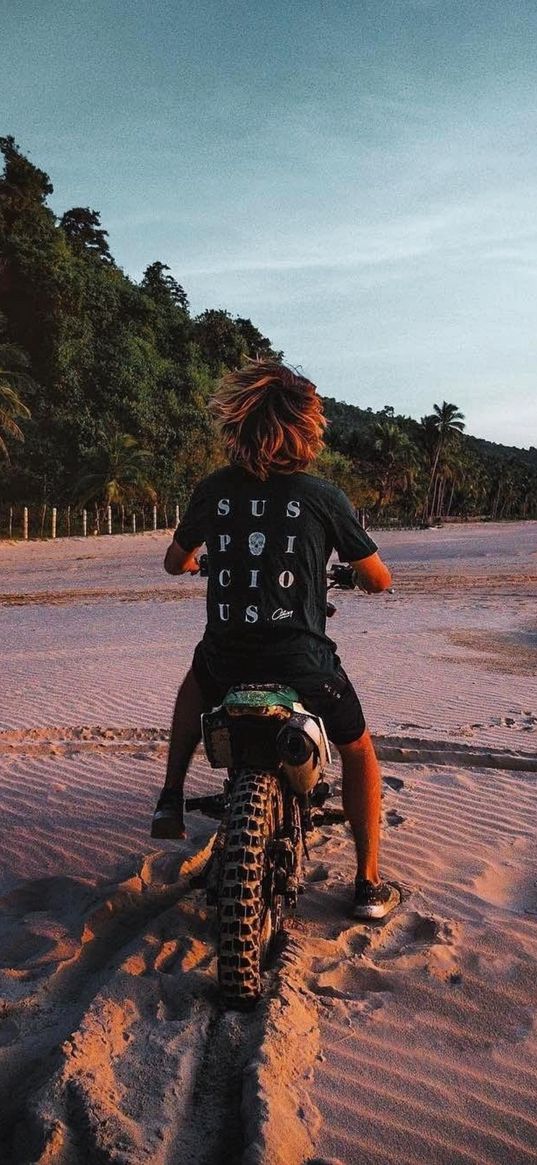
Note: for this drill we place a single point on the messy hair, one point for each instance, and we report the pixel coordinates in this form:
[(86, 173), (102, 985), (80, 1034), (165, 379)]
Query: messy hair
[(270, 418)]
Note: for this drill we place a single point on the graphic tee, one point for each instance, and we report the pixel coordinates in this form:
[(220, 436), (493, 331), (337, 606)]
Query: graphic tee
[(268, 543)]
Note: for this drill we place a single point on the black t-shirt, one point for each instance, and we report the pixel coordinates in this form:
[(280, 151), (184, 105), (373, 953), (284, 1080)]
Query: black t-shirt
[(268, 544)]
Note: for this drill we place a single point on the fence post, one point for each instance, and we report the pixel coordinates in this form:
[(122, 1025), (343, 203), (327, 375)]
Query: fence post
[(68, 521), (177, 515), (85, 523), (134, 523), (54, 521), (11, 522), (109, 519), (25, 523), (123, 519), (154, 517)]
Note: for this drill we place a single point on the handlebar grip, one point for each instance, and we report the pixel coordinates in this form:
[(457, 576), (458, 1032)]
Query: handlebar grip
[(343, 576)]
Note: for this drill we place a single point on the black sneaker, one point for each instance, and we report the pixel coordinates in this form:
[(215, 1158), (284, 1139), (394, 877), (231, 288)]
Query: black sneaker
[(372, 901), (168, 816)]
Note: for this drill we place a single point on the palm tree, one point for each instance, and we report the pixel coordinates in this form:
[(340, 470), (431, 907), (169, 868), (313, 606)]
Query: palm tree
[(115, 472), (439, 430), (447, 420), (12, 365), (395, 460)]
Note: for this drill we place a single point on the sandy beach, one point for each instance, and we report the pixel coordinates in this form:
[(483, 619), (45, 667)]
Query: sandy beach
[(410, 1042)]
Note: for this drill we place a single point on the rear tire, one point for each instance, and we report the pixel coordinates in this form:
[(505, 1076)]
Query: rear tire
[(249, 910)]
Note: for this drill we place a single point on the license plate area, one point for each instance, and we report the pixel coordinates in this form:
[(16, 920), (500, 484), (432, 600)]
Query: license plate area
[(240, 742)]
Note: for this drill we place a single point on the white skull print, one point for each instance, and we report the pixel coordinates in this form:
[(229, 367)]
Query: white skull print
[(256, 542)]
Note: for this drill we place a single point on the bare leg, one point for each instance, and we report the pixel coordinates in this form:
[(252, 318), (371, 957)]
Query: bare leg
[(361, 802), (168, 820), (186, 731)]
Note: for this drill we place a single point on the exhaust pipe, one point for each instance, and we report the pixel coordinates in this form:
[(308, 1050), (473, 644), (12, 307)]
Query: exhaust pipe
[(300, 749)]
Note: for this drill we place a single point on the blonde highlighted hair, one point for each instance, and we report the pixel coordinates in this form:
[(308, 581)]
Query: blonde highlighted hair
[(270, 418)]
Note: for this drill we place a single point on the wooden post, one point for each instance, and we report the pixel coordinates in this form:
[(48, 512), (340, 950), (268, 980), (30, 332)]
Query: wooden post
[(25, 523), (43, 516), (109, 519), (54, 521), (11, 522), (68, 521), (143, 519), (177, 515), (85, 523), (154, 517), (133, 522), (123, 519)]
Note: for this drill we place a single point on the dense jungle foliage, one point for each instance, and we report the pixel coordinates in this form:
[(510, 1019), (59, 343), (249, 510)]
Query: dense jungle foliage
[(104, 386)]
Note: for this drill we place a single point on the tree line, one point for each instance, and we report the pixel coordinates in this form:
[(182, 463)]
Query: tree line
[(421, 471), (104, 385)]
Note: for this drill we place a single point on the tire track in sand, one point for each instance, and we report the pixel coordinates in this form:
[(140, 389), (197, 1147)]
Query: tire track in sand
[(58, 740), (114, 1049)]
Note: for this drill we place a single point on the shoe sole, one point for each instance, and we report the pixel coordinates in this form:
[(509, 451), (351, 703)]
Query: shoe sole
[(376, 911)]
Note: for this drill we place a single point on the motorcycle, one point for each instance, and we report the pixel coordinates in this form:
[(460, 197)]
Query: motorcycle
[(275, 752)]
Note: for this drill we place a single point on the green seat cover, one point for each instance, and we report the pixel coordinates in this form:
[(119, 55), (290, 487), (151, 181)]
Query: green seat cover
[(260, 698)]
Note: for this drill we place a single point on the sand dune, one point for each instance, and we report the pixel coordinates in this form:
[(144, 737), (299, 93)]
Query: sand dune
[(411, 1041)]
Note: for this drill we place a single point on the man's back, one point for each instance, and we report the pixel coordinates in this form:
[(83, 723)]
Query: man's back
[(268, 543)]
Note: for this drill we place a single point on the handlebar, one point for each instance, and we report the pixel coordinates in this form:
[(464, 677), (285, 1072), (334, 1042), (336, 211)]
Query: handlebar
[(342, 577)]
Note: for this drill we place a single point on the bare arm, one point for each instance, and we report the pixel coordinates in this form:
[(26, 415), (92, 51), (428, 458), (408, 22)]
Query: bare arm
[(179, 561), (373, 575)]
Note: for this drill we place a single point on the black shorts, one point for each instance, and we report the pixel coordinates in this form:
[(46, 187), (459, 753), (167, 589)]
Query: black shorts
[(328, 694)]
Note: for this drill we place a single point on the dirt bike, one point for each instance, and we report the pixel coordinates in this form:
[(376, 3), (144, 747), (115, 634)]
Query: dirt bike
[(275, 753)]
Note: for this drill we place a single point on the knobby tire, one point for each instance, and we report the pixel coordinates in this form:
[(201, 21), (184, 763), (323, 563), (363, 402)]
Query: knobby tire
[(247, 905)]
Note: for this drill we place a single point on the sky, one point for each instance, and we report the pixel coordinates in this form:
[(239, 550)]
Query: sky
[(358, 177)]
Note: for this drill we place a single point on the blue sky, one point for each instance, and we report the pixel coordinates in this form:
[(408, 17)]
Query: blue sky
[(357, 177)]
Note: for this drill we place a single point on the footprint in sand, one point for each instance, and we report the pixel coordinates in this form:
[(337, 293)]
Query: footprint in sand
[(394, 783), (320, 873), (41, 924), (418, 940), (394, 818), (403, 932), (352, 979), (522, 720)]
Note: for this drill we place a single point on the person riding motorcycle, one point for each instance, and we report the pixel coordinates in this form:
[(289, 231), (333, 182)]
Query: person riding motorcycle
[(270, 528)]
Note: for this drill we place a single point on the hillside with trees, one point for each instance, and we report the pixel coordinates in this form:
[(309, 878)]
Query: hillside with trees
[(104, 385)]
